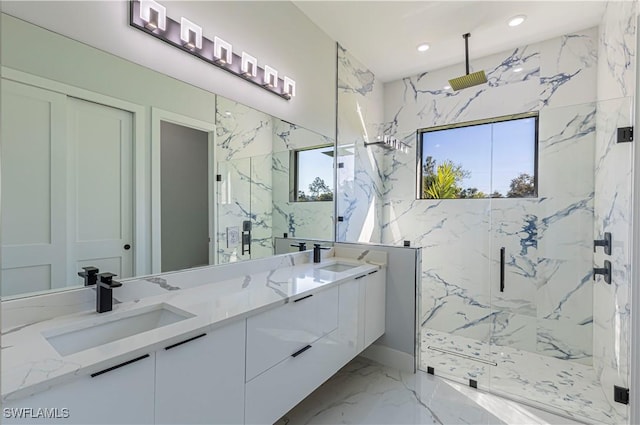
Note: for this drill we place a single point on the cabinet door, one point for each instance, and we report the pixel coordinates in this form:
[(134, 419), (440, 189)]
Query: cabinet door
[(374, 305), (120, 396), (202, 380)]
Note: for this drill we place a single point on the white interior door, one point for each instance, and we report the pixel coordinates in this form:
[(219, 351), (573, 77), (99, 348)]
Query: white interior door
[(101, 188), (33, 154)]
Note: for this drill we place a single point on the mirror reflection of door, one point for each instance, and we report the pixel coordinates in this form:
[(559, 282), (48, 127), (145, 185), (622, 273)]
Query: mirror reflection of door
[(184, 196), (72, 204), (101, 200)]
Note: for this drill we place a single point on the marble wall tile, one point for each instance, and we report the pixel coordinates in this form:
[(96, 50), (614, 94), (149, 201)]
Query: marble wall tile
[(564, 340), (514, 227), (558, 79), (287, 137), (245, 194), (234, 206), (567, 62), (253, 158), (566, 147), (513, 330), (617, 50), (261, 206), (312, 220), (241, 131), (612, 203), (613, 211), (359, 200)]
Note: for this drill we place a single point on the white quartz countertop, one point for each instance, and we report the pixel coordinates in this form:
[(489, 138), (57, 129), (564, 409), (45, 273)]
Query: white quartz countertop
[(30, 364)]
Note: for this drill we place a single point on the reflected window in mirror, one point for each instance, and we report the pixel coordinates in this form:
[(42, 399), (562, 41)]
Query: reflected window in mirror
[(312, 174)]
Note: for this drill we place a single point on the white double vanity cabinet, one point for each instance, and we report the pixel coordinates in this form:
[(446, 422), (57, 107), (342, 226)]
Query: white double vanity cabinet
[(243, 350)]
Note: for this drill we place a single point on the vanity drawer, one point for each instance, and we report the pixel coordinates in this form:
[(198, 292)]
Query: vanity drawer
[(275, 392), (274, 335)]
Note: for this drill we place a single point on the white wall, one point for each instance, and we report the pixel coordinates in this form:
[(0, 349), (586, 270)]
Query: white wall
[(276, 32)]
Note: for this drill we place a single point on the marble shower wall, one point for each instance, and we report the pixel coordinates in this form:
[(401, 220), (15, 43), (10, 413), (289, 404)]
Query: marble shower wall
[(548, 240), (253, 152), (613, 198), (360, 169), (244, 159), (313, 220)]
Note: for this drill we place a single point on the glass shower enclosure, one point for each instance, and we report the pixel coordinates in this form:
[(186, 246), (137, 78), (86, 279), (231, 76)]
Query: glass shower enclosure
[(509, 301)]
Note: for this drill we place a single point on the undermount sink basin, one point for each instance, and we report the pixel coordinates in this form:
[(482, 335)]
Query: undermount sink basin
[(85, 336), (338, 267)]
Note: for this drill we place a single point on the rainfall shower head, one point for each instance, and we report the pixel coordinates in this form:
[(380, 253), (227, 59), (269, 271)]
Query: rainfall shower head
[(468, 80)]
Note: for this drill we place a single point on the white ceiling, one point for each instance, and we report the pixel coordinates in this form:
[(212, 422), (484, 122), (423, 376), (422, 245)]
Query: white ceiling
[(384, 34)]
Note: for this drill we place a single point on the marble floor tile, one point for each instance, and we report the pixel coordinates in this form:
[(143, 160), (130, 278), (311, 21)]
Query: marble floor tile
[(566, 387), (364, 392)]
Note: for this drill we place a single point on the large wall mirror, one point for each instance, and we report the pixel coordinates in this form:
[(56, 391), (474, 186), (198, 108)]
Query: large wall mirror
[(107, 163)]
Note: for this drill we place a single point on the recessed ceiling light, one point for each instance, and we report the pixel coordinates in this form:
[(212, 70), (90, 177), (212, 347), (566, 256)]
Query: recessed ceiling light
[(446, 87), (517, 20), (423, 47), (519, 69)]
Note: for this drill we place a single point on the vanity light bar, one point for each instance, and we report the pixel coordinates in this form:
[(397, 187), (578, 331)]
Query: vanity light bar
[(270, 77), (151, 17), (289, 87), (222, 51), (249, 65), (190, 34), (154, 15)]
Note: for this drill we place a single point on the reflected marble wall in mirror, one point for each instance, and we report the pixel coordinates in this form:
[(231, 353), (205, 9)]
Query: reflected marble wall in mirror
[(82, 170), (257, 168)]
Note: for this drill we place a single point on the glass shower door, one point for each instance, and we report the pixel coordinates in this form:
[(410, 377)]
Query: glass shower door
[(244, 201), (553, 324), (455, 305)]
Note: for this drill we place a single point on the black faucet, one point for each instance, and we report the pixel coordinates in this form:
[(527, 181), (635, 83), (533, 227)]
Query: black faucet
[(302, 246), (316, 252), (104, 300), (90, 275)]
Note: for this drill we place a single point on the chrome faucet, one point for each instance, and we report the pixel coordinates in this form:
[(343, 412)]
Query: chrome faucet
[(104, 300)]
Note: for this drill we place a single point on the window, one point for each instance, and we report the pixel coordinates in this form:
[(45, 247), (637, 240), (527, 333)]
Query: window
[(313, 174), (493, 158)]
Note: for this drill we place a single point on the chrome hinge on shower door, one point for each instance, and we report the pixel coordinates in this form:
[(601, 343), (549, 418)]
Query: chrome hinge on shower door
[(620, 394)]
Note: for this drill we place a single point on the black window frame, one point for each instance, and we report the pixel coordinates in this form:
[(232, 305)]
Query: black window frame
[(293, 174), (485, 121)]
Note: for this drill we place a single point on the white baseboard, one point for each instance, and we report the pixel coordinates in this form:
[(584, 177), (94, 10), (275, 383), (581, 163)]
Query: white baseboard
[(390, 357)]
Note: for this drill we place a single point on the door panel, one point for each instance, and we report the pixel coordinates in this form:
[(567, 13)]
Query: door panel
[(33, 198), (184, 196), (101, 145)]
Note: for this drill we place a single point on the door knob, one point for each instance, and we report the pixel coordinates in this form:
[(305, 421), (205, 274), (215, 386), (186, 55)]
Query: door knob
[(127, 247)]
